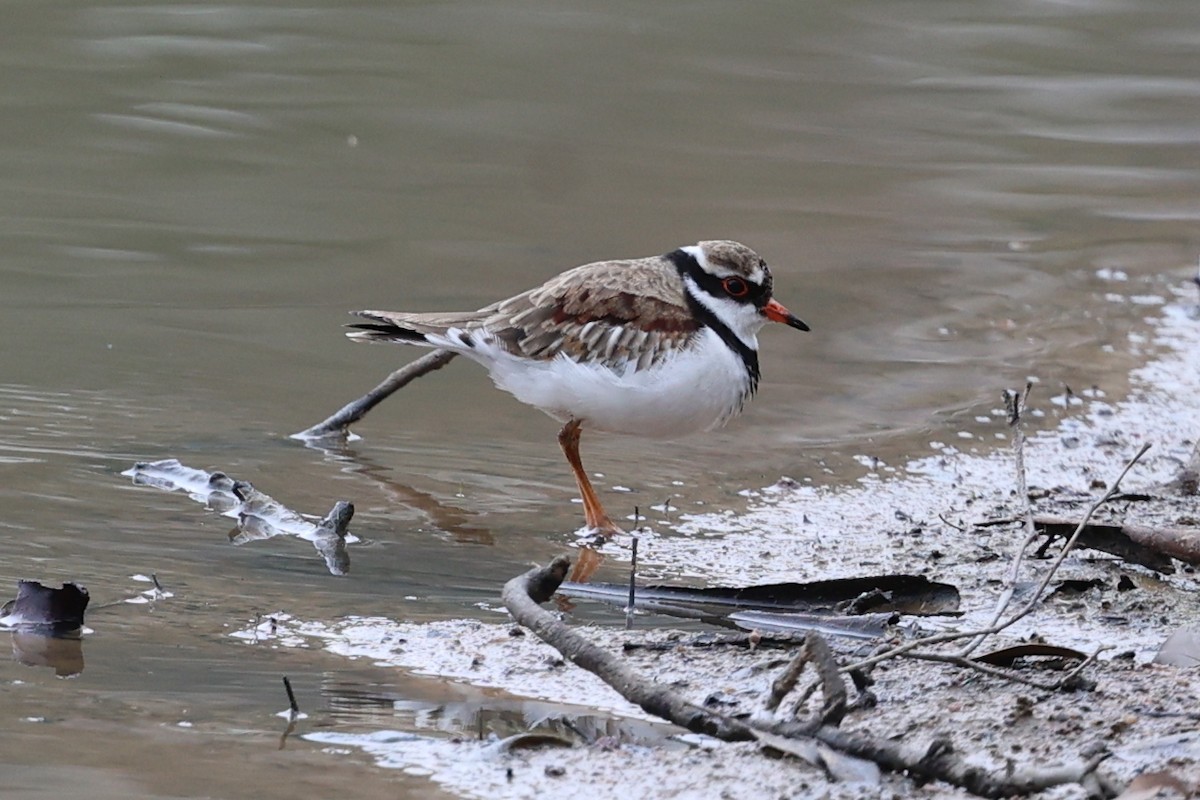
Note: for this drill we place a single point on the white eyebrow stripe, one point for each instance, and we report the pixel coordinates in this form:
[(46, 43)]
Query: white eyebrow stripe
[(697, 252)]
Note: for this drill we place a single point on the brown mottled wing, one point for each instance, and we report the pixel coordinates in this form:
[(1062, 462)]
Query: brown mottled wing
[(614, 313)]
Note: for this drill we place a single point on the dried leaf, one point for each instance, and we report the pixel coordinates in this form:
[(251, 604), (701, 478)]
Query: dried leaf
[(528, 741), (849, 769), (1181, 649), (1155, 785), (839, 766), (1007, 656)]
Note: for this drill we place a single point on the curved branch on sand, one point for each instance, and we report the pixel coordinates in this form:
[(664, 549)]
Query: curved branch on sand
[(937, 761)]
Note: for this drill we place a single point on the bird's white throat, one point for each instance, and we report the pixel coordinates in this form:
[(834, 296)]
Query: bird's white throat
[(742, 319)]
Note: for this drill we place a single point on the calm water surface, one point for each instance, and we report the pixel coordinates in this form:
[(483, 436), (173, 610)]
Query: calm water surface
[(192, 197)]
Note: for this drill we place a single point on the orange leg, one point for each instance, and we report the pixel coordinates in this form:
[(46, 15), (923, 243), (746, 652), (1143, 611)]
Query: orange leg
[(594, 515), (586, 564)]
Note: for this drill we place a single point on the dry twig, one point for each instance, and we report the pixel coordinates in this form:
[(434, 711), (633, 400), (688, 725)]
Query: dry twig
[(1030, 604), (1015, 404), (783, 685)]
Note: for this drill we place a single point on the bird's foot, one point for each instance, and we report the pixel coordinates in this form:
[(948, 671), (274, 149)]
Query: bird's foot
[(601, 532)]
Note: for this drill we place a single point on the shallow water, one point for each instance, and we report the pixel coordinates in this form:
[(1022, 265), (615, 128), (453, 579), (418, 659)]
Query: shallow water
[(195, 195)]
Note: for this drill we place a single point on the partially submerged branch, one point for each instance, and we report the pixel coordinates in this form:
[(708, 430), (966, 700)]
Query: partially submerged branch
[(337, 424), (293, 706)]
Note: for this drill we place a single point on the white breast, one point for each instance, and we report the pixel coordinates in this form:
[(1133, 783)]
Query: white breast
[(700, 388)]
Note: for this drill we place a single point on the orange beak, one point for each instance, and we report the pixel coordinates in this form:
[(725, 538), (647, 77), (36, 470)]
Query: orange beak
[(775, 312)]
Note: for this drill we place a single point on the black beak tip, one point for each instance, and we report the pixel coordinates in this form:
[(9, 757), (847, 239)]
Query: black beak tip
[(798, 324)]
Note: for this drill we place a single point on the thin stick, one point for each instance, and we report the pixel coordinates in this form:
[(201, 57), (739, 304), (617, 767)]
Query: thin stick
[(295, 707), (833, 688), (1062, 554), (1022, 612), (783, 685), (815, 651), (632, 584), (1015, 404), (950, 524), (339, 422)]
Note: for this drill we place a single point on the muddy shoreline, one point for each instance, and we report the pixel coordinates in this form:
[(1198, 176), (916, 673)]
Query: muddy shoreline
[(935, 516)]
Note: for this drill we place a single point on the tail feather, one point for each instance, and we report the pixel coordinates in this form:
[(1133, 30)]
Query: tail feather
[(385, 327), (369, 332), (405, 328)]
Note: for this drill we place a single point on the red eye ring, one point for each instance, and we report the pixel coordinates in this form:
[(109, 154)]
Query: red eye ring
[(735, 287)]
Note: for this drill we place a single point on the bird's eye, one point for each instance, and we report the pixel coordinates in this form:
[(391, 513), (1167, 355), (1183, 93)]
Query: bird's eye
[(735, 287)]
